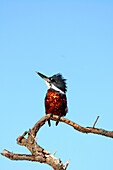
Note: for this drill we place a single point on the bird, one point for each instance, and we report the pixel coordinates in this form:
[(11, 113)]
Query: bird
[(55, 100)]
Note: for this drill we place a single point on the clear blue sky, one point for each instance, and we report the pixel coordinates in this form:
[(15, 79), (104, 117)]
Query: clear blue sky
[(74, 38)]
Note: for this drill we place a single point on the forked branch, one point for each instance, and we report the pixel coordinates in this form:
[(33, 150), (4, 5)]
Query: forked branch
[(41, 155)]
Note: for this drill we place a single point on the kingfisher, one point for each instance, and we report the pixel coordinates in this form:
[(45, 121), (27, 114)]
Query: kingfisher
[(55, 100)]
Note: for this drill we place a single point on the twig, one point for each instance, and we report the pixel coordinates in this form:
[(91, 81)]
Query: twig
[(66, 164), (54, 152), (22, 136), (96, 121)]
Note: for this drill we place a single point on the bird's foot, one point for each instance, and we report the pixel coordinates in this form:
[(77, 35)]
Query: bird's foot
[(51, 115), (58, 120), (49, 123)]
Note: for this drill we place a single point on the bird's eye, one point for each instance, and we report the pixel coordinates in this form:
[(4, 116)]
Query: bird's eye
[(53, 80)]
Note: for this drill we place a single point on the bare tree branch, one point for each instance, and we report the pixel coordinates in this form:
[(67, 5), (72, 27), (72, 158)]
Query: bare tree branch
[(84, 129), (57, 164), (41, 155), (14, 156)]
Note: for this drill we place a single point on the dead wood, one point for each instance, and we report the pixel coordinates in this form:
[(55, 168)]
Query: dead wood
[(41, 155)]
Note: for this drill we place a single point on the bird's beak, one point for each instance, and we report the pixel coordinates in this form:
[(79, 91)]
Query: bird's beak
[(43, 76)]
